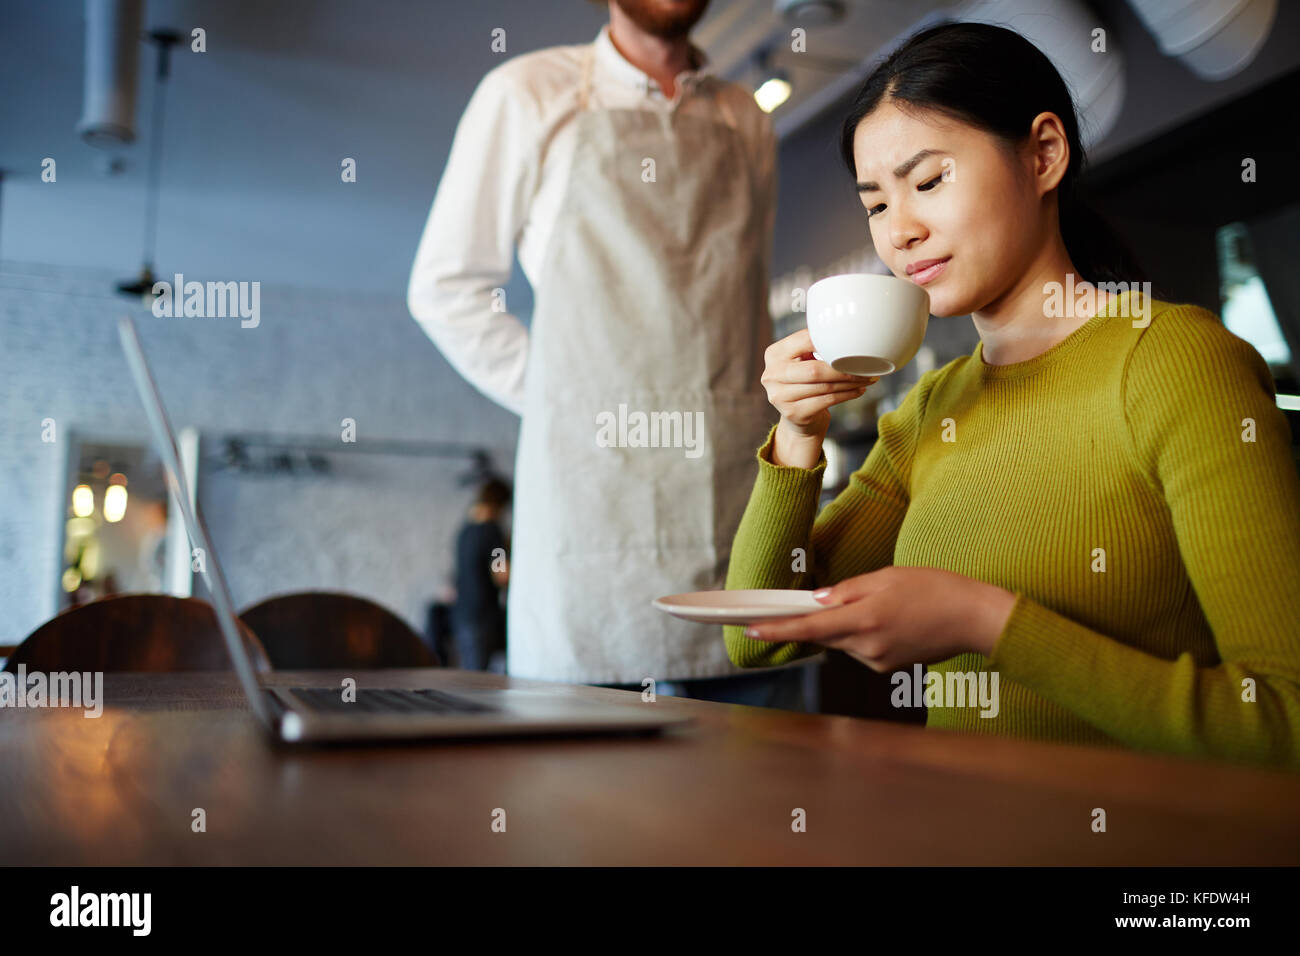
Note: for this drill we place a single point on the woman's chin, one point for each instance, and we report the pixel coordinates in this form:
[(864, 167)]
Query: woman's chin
[(945, 306), (945, 302), (948, 301)]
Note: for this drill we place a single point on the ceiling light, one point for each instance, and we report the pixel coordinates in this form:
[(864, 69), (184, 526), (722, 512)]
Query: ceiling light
[(83, 501), (773, 91), (114, 503), (142, 287)]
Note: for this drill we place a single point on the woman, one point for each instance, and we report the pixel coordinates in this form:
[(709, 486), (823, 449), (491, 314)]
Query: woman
[(1098, 505)]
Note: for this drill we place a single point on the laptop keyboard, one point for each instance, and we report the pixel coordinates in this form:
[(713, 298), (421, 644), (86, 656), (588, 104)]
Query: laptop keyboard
[(330, 700)]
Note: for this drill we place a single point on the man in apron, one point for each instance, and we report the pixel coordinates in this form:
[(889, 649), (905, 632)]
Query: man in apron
[(640, 193)]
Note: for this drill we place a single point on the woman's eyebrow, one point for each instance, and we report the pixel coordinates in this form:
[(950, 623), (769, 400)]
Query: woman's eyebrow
[(903, 169)]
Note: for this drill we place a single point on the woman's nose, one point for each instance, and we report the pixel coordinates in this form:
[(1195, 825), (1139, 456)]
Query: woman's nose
[(904, 229)]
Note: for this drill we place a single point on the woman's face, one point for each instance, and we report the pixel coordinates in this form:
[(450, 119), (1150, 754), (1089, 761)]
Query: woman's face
[(935, 188)]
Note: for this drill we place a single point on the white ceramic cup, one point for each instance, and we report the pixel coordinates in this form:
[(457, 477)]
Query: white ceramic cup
[(867, 324)]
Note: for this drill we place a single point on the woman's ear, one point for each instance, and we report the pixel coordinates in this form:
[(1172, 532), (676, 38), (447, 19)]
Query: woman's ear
[(1050, 149)]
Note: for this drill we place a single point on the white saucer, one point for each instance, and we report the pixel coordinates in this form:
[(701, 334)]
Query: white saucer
[(738, 607)]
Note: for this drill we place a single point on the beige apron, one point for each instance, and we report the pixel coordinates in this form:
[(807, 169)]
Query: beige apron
[(651, 302)]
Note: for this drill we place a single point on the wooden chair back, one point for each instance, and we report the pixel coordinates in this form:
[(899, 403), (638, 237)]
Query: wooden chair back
[(133, 632), (327, 630)]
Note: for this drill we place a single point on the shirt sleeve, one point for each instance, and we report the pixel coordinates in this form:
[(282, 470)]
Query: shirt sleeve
[(1205, 427), (466, 252), (769, 187), (782, 542)]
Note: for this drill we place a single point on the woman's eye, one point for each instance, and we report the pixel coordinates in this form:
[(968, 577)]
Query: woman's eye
[(924, 187)]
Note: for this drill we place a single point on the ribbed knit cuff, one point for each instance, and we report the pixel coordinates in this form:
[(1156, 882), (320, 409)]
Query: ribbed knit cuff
[(781, 509), (785, 479), (1045, 651)]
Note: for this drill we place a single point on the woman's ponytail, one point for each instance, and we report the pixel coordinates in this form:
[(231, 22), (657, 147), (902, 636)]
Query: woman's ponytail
[(1094, 245)]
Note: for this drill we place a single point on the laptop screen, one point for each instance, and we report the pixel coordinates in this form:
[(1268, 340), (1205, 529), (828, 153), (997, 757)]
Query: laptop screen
[(165, 439)]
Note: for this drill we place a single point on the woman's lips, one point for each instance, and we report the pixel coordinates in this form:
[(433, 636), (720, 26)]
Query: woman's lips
[(930, 272)]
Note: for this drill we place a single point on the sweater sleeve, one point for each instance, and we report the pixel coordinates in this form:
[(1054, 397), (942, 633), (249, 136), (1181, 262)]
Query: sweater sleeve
[(782, 541), (1204, 426)]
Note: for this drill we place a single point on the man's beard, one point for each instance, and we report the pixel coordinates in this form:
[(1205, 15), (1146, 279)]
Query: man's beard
[(658, 19)]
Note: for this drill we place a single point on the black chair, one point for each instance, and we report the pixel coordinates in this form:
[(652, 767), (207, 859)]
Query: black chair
[(328, 630)]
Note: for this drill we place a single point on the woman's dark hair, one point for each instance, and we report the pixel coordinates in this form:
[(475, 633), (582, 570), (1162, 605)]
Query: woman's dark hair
[(997, 81)]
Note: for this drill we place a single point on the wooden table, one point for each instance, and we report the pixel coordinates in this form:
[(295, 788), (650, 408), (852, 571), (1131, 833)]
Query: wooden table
[(121, 789)]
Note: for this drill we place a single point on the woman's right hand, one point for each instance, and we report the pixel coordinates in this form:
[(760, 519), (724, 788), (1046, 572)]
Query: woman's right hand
[(803, 389)]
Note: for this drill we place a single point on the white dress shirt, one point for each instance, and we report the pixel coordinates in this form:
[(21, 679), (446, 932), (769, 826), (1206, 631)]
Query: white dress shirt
[(506, 176)]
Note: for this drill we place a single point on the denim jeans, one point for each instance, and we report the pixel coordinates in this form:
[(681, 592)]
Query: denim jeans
[(782, 689), (476, 644)]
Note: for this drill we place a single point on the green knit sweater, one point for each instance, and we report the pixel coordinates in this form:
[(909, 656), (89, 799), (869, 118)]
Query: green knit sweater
[(1181, 634)]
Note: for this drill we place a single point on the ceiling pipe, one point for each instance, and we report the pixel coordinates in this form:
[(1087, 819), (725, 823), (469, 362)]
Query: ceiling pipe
[(810, 13), (792, 119), (1064, 32), (112, 63), (1212, 38), (1096, 81)]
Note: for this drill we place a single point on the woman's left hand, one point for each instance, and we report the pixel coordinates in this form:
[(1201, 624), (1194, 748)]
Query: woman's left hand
[(900, 615)]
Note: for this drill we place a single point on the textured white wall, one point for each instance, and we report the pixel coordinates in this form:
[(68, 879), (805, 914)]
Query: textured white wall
[(381, 525)]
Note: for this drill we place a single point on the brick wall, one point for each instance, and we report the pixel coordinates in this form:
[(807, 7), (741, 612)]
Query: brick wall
[(380, 525)]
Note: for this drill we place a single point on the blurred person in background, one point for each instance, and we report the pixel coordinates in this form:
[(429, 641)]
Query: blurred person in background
[(482, 573)]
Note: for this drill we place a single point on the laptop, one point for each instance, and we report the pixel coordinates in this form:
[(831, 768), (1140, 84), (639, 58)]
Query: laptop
[(316, 715)]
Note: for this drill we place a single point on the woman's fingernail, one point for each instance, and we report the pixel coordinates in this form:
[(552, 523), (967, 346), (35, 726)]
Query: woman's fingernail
[(818, 595), (751, 632)]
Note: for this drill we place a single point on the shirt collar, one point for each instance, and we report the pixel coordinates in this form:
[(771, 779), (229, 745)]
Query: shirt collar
[(612, 62)]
